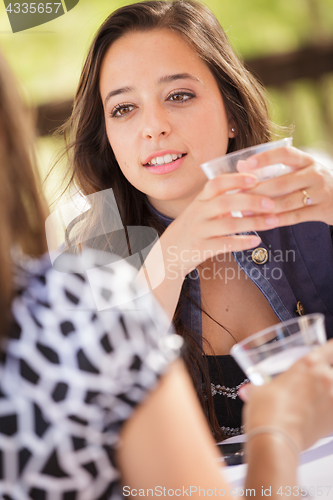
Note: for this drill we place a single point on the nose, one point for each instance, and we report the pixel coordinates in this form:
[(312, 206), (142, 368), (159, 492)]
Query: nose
[(155, 122)]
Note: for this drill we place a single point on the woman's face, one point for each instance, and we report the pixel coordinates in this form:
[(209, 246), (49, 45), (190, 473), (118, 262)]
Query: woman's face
[(164, 116)]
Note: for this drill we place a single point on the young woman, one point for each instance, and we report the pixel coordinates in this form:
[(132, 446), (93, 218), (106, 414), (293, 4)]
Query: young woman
[(83, 415), (160, 93)]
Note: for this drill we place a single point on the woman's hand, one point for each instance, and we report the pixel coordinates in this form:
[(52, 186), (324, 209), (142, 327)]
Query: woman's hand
[(206, 227), (291, 203), (299, 401)]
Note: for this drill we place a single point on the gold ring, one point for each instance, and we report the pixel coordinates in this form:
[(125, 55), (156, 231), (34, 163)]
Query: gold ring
[(307, 199)]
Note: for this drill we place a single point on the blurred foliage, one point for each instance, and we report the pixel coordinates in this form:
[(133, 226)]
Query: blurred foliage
[(47, 59), (261, 27)]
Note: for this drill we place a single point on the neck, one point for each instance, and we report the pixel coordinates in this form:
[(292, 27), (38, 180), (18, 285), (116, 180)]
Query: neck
[(172, 208)]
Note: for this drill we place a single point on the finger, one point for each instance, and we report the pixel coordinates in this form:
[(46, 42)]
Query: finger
[(249, 203), (288, 183), (231, 243), (323, 354), (304, 214), (244, 392), (288, 155), (232, 225), (226, 182), (295, 201)]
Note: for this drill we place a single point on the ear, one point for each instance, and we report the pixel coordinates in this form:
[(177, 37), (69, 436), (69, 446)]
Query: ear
[(232, 130)]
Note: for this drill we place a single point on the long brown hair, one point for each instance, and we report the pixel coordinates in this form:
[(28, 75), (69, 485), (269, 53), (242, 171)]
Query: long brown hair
[(22, 211), (93, 166)]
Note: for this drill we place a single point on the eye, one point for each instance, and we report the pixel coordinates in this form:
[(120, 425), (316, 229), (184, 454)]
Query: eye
[(180, 96), (121, 110)]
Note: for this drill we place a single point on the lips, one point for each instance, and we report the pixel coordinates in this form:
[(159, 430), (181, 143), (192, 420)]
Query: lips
[(162, 158), (169, 164)]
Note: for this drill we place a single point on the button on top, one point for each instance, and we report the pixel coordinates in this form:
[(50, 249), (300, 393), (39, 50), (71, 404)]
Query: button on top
[(300, 308), (260, 255)]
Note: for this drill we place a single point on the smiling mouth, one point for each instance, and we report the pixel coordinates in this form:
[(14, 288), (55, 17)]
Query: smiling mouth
[(164, 160)]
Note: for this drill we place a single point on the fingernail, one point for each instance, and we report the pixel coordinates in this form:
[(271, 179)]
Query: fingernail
[(250, 180), (267, 203), (243, 392), (252, 162), (255, 241), (271, 221), (241, 165)]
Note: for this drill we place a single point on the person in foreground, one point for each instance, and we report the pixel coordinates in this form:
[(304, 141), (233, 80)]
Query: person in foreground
[(162, 92), (88, 398)]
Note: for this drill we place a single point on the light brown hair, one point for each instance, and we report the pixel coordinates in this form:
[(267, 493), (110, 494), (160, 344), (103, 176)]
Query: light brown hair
[(22, 211)]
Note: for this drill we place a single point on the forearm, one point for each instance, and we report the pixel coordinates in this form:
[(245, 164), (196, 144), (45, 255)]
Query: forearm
[(172, 449), (272, 467), (164, 277)]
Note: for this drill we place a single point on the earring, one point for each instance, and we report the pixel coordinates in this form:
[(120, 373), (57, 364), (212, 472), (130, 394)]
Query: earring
[(233, 130)]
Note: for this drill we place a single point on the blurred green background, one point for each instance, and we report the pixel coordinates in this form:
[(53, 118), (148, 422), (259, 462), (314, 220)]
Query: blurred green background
[(47, 59)]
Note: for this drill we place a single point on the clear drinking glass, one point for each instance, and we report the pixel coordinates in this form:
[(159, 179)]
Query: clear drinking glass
[(269, 352), (228, 163)]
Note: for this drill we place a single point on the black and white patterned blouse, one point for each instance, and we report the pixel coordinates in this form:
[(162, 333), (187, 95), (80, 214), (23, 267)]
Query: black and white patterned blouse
[(72, 374)]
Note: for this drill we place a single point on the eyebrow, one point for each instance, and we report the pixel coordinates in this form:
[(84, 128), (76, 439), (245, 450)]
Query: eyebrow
[(179, 76), (163, 79), (122, 90)]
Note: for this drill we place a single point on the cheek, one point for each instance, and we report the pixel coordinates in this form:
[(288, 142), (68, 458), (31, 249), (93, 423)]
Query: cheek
[(119, 145), (212, 134), (213, 118), (122, 150), (216, 130)]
